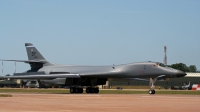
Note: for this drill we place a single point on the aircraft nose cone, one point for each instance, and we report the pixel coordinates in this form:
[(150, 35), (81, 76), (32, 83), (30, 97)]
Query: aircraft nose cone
[(180, 73)]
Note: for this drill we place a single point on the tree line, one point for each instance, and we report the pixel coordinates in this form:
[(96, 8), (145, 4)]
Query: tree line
[(184, 68)]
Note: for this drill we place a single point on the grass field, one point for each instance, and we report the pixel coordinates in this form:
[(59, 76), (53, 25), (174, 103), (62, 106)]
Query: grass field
[(5, 95), (108, 91)]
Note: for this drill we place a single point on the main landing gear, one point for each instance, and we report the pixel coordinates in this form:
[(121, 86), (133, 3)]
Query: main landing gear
[(92, 90), (76, 90), (151, 84), (80, 90)]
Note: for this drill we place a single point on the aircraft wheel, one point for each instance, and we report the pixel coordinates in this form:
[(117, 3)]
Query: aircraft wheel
[(154, 91), (150, 91), (72, 90), (80, 90), (92, 90), (87, 90), (76, 90), (96, 90)]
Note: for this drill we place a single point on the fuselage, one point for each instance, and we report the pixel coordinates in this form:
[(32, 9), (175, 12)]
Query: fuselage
[(132, 70)]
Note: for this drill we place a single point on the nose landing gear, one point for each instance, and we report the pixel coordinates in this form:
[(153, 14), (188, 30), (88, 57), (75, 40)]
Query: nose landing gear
[(151, 84)]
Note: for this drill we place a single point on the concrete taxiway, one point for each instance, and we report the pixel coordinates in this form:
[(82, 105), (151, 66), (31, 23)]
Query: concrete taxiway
[(99, 103)]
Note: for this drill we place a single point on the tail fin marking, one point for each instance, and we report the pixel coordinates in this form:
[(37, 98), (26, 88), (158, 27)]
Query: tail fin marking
[(33, 53)]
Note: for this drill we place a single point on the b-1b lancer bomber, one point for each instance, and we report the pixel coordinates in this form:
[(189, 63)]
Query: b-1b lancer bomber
[(90, 76)]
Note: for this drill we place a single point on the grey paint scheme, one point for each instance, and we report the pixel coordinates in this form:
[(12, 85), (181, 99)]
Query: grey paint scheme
[(47, 72), (133, 70)]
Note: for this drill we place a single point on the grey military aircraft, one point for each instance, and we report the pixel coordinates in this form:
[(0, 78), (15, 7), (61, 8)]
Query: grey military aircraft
[(90, 76)]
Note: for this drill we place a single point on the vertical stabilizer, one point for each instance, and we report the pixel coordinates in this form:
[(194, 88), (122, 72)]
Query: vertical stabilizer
[(33, 53)]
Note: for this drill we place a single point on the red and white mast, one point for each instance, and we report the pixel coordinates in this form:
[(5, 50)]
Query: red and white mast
[(165, 58)]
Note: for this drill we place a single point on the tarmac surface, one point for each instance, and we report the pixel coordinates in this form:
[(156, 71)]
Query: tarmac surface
[(99, 103)]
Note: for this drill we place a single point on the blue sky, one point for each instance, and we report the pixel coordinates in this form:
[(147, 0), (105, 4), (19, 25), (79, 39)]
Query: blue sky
[(100, 32)]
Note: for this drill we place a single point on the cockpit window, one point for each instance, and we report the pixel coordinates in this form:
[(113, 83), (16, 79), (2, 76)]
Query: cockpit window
[(161, 64)]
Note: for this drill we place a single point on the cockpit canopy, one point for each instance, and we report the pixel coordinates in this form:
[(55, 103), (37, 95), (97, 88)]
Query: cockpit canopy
[(160, 64)]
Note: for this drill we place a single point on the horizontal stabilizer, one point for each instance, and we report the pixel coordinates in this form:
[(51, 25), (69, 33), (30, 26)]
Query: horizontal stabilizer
[(43, 76)]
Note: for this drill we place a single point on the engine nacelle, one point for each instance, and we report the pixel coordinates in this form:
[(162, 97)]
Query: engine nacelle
[(57, 81), (74, 81)]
